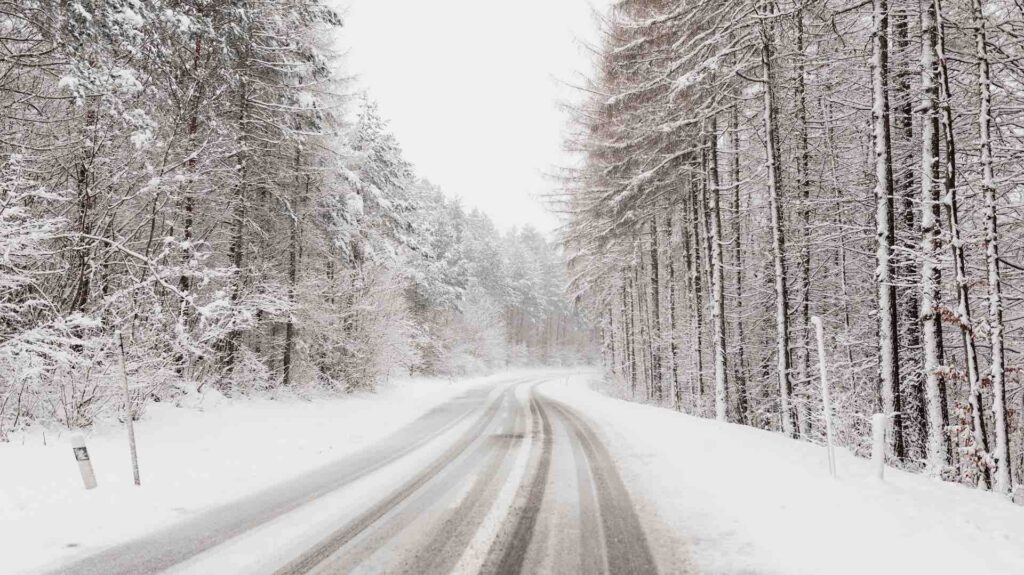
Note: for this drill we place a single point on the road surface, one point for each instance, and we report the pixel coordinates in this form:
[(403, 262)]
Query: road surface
[(500, 480)]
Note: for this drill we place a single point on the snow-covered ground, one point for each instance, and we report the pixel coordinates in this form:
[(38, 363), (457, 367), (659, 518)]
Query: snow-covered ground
[(732, 499), (742, 500), (191, 458)]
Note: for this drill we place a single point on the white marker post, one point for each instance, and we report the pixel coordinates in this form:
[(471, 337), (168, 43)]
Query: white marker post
[(879, 426), (825, 397), (128, 411), (84, 464)]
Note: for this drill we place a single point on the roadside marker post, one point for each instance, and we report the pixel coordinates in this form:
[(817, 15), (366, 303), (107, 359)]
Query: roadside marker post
[(128, 411), (879, 427), (825, 397), (84, 463)]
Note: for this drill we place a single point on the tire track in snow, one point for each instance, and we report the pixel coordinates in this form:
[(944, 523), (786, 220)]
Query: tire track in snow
[(457, 531), (339, 538), (475, 556), (467, 485), (167, 547), (626, 547), (591, 540), (512, 558)]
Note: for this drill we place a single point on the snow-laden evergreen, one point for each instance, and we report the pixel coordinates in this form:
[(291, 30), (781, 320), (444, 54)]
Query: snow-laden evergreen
[(746, 165), (197, 175)]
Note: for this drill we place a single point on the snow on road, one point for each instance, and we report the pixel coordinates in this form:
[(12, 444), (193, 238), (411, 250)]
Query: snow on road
[(727, 498), (191, 459), (741, 500)]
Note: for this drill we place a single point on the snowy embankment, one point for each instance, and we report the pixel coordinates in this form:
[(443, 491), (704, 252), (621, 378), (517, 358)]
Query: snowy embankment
[(191, 459), (741, 500)]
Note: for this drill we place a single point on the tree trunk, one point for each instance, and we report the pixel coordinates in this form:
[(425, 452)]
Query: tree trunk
[(237, 247), (717, 273), (888, 333), (963, 309), (185, 281), (1001, 454), (907, 236), (804, 188), (656, 343), (931, 243), (627, 300), (741, 365), (778, 236), (293, 268), (673, 324), (696, 298)]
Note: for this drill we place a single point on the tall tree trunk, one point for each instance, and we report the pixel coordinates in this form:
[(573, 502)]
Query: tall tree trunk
[(628, 298), (907, 237), (717, 272), (804, 188), (302, 180), (643, 311), (963, 308), (609, 339), (778, 236), (237, 248), (185, 281), (656, 343), (888, 332), (673, 324), (696, 297), (931, 243), (696, 280), (1001, 453), (84, 248), (740, 378)]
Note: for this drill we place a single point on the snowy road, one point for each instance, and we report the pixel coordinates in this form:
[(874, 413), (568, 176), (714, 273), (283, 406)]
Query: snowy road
[(500, 480)]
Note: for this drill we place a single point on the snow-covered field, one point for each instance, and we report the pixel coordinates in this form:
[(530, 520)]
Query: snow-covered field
[(748, 501), (191, 459)]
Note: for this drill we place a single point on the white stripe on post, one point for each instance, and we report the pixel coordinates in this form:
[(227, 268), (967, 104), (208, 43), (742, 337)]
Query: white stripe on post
[(84, 463)]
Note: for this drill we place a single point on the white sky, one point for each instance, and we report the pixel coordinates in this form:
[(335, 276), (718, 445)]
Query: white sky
[(472, 90)]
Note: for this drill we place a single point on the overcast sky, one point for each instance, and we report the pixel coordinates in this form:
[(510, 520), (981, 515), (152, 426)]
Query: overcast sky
[(472, 89)]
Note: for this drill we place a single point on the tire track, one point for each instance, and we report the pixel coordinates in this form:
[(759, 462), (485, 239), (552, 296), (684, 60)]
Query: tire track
[(167, 547), (591, 537), (626, 547), (514, 554), (444, 549), (339, 538), (438, 553)]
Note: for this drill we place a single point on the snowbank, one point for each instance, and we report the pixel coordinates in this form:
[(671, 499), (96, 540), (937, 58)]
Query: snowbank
[(741, 500), (191, 459)]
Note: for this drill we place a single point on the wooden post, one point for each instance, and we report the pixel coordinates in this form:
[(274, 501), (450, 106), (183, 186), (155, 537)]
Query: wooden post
[(128, 411)]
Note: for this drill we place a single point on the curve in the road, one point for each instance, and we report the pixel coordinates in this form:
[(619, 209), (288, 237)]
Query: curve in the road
[(458, 488), (489, 503)]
